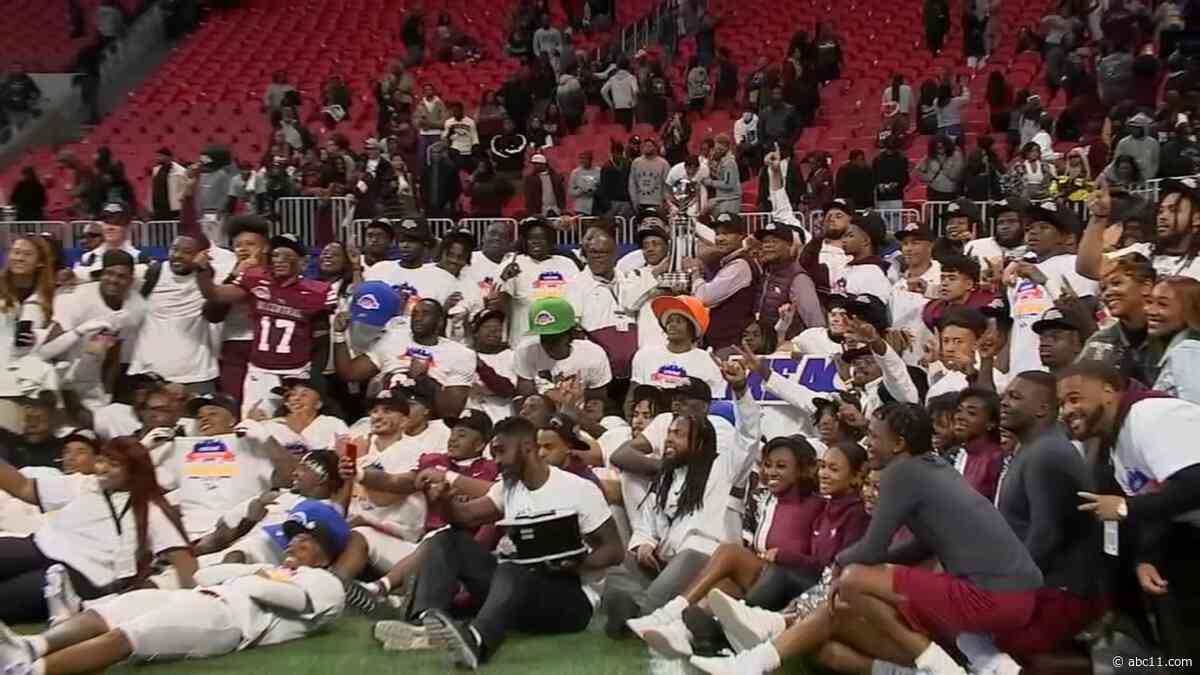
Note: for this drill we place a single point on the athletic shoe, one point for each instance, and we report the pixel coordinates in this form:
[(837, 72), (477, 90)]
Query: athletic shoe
[(672, 639), (360, 597), (744, 626), (402, 636), (458, 640), (727, 665), (659, 617), (61, 598), (14, 649)]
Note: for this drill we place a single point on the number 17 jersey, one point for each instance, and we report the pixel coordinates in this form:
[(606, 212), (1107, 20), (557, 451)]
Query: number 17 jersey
[(283, 314)]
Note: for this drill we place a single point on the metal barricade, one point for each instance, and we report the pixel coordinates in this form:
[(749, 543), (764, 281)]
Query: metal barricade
[(301, 216), (931, 214), (156, 233), (478, 226), (354, 232), (15, 229), (896, 219), (755, 220)]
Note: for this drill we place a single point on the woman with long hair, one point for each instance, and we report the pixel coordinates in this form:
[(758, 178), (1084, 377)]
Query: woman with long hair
[(1173, 319), (927, 110), (1123, 172), (27, 287), (1075, 182), (1029, 177), (984, 172), (999, 97), (941, 170), (104, 537)]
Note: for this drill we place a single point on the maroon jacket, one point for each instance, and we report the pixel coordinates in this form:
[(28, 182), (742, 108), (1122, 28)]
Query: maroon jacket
[(932, 314), (809, 530), (984, 462), (533, 192)]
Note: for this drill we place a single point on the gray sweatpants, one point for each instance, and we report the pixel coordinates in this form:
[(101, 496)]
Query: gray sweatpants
[(647, 590)]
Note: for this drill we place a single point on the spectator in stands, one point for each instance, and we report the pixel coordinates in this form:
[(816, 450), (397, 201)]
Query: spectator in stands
[(277, 90), (620, 93), (508, 151), (552, 122), (950, 108), (927, 110), (412, 36), (489, 118), (547, 39), (1173, 320), (778, 122), (1030, 176), (1124, 173), (461, 136), (818, 179), (1114, 75), (584, 184), (941, 170), (572, 101), (168, 184), (430, 117), (792, 176), (983, 173), (20, 96), (544, 191), (724, 178), (901, 94), (489, 192), (1074, 182), (1141, 146), (614, 199), (517, 99), (999, 96), (675, 137), (827, 54), (936, 15), (110, 22), (28, 196), (856, 181), (647, 178), (726, 87), (891, 176), (706, 34), (441, 184), (698, 86), (540, 137), (210, 182)]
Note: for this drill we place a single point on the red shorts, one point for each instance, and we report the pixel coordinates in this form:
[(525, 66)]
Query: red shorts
[(1057, 618), (942, 605)]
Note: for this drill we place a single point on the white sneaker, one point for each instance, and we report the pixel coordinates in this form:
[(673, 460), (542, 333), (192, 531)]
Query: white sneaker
[(659, 617), (727, 665), (61, 598), (744, 626), (402, 636), (997, 664), (14, 650), (672, 639)]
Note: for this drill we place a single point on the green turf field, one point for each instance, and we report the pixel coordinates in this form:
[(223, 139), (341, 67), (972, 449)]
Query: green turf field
[(349, 649)]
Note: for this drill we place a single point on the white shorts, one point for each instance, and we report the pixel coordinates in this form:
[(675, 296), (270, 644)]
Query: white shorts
[(256, 388), (172, 624), (383, 550)]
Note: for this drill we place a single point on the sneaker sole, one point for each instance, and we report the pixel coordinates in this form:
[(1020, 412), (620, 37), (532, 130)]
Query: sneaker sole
[(445, 634), (659, 642), (400, 633), (420, 644), (741, 637)]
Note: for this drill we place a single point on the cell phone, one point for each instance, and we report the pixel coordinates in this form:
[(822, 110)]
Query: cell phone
[(352, 451), (24, 334)]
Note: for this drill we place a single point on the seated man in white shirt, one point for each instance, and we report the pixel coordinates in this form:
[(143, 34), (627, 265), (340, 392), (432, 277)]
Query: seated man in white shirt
[(597, 293), (236, 607), (684, 320), (552, 355), (303, 424), (866, 272)]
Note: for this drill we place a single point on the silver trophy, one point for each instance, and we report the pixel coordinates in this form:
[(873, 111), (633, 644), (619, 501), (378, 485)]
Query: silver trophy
[(684, 193)]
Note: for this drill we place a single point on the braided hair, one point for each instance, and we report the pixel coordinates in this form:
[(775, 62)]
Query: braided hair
[(702, 450)]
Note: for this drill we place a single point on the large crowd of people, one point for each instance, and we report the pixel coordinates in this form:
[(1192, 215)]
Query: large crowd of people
[(935, 447)]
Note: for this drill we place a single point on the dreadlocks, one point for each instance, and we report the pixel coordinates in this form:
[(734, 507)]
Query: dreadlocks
[(702, 450)]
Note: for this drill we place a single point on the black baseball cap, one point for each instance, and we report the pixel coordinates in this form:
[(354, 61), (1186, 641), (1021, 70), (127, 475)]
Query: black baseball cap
[(413, 228), (840, 204), (289, 240), (1055, 318), (959, 208), (865, 307), (476, 420), (382, 224), (1011, 205), (418, 394), (1061, 217), (916, 230), (115, 210), (488, 315), (219, 399), (393, 398), (693, 389), (781, 231), (729, 222), (287, 383), (871, 223), (464, 236)]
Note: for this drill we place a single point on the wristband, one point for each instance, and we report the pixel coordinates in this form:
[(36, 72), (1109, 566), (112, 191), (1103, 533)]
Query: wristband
[(452, 476), (339, 337)]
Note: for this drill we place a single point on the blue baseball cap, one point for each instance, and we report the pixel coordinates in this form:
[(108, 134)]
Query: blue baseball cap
[(318, 519), (375, 303)]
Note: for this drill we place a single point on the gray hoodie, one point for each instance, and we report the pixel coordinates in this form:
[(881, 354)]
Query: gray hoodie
[(620, 92)]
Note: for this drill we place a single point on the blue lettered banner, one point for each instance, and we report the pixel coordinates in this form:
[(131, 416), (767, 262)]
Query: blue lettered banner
[(815, 372)]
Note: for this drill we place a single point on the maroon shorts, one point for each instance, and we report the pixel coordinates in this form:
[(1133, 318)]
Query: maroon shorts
[(1057, 618), (942, 605)]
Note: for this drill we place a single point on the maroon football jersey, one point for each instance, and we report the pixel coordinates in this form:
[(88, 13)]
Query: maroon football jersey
[(283, 317)]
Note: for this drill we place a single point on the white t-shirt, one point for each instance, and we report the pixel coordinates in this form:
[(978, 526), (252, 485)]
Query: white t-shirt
[(1176, 265), (660, 367), (96, 533), (587, 361), (562, 491), (816, 342), (84, 303), (496, 407), (405, 516), (262, 625), (1149, 450), (482, 272), (450, 363), (216, 473), (174, 340), (426, 281), (1029, 300), (869, 279), (320, 434), (597, 304), (545, 279)]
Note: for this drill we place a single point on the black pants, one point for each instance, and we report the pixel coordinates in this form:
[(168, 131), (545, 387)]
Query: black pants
[(624, 117), (778, 585), (1177, 611), (22, 578), (523, 597)]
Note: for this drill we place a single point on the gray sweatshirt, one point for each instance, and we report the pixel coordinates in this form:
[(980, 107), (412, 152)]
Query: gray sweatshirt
[(941, 174), (620, 92), (647, 181), (726, 183), (949, 520), (582, 187), (1144, 151), (1037, 496)]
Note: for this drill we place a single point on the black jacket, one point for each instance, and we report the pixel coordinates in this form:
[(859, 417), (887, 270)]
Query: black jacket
[(891, 175), (793, 183), (856, 183)]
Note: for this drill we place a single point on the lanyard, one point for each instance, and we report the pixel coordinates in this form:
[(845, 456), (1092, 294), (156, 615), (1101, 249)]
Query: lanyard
[(112, 512)]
